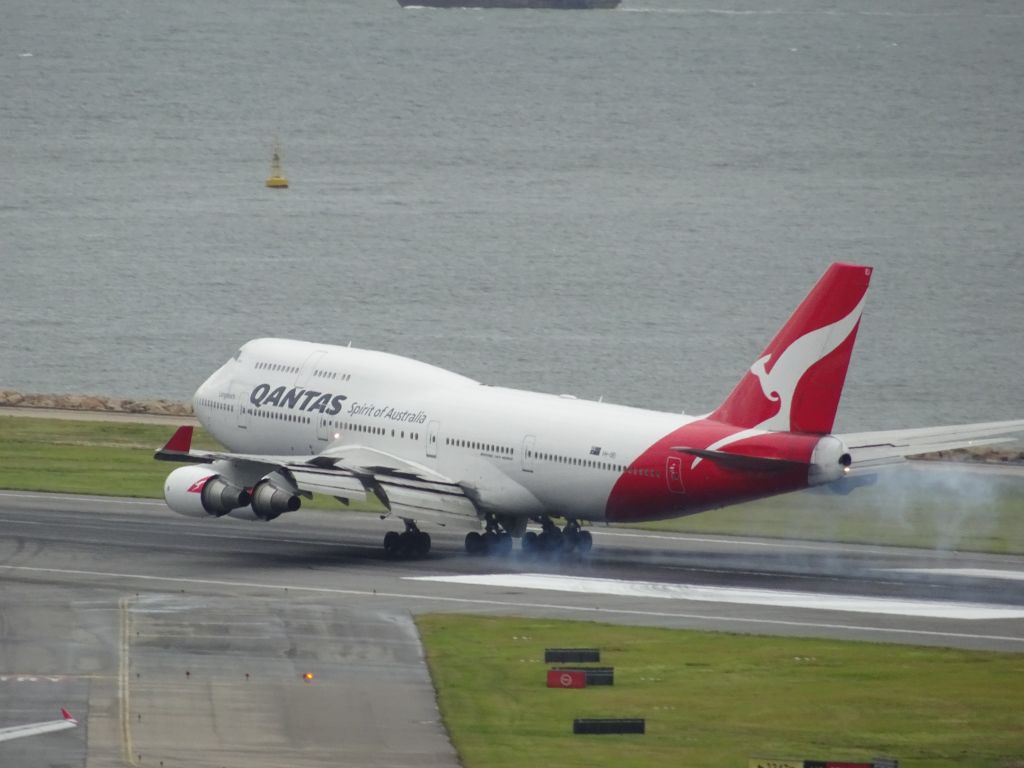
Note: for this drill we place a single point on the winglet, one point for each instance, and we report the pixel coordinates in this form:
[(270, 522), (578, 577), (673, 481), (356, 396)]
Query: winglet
[(67, 715), (178, 447), (181, 441)]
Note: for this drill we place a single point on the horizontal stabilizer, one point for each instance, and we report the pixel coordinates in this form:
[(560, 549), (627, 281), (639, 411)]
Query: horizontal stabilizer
[(889, 446), (742, 461)]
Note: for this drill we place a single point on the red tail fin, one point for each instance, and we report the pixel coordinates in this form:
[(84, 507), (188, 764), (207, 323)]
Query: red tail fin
[(795, 384)]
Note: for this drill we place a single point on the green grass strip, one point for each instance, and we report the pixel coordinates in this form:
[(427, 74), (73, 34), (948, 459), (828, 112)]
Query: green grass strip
[(92, 457), (716, 700), (107, 458)]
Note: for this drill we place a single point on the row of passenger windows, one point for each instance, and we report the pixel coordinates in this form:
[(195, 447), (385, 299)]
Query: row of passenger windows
[(281, 416), (476, 446), (216, 405), (277, 367), (574, 461), (643, 472), (369, 429), (323, 373)]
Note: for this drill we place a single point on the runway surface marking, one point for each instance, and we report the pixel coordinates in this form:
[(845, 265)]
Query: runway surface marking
[(815, 546), (974, 573), (194, 534), (78, 497), (934, 609), (492, 603)]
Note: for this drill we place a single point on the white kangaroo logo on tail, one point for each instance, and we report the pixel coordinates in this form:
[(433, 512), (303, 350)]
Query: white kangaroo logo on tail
[(780, 383)]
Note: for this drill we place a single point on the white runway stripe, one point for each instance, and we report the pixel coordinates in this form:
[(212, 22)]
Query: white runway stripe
[(973, 573), (769, 597)]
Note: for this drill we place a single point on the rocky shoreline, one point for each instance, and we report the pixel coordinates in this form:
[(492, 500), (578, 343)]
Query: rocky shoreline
[(99, 404), (95, 403)]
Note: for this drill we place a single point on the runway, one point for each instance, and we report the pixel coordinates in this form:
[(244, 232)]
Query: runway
[(185, 640)]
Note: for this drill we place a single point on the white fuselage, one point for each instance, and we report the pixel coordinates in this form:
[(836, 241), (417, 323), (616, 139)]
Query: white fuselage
[(521, 452)]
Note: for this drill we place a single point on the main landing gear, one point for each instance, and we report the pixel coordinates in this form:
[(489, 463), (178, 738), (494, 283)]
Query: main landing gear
[(551, 540), (492, 541), (571, 538), (412, 542)]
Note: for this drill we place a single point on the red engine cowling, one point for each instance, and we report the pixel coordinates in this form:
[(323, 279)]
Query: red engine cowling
[(198, 491)]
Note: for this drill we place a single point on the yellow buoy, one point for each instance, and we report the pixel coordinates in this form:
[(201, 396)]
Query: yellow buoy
[(277, 178)]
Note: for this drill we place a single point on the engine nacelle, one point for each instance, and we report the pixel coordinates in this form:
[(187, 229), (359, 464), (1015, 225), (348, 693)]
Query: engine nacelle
[(198, 491), (268, 502), (830, 461)]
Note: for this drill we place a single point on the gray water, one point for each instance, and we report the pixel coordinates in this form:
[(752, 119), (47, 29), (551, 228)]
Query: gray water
[(623, 203)]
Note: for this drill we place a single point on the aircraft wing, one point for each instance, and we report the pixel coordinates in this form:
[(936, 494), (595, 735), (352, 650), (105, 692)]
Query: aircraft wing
[(350, 472), (34, 729), (406, 488), (890, 446)]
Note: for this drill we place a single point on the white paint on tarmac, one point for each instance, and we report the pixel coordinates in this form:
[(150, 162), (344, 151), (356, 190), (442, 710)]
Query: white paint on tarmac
[(935, 609), (971, 573), (485, 604)]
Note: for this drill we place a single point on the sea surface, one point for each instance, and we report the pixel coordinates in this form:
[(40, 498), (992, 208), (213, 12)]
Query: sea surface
[(621, 204)]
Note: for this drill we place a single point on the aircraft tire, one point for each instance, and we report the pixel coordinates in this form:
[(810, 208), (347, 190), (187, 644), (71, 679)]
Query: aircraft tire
[(584, 541), (497, 544), (392, 540), (529, 544), (475, 543), (421, 544), (504, 545), (551, 542)]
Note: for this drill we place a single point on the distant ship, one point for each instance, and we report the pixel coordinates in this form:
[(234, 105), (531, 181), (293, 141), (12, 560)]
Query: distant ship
[(564, 5)]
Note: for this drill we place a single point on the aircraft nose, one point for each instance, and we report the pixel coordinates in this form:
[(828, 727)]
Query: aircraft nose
[(198, 397), (206, 393)]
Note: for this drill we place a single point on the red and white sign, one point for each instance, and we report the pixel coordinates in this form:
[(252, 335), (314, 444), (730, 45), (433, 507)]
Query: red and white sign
[(567, 678)]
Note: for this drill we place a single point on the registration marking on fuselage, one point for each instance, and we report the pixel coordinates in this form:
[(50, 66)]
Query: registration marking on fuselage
[(936, 609)]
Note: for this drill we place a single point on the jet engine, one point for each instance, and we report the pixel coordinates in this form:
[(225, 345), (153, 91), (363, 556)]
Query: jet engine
[(198, 491), (830, 461), (268, 502)]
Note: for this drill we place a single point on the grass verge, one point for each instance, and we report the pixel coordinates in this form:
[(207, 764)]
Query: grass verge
[(716, 700), (94, 457), (97, 457)]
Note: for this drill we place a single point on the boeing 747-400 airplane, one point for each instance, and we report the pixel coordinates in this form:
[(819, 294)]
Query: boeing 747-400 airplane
[(300, 418)]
